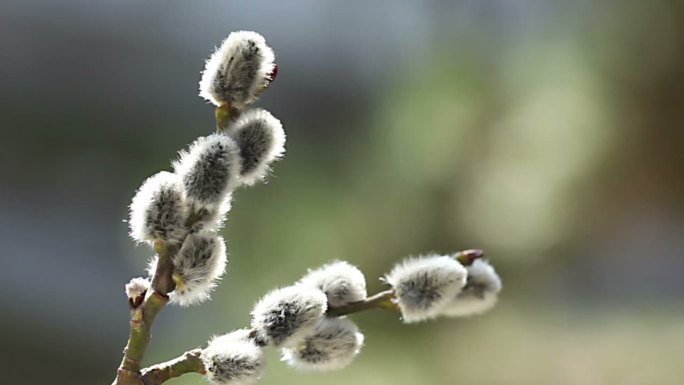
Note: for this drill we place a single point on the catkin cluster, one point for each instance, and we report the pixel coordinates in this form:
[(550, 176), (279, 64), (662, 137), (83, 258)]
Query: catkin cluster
[(183, 210), (295, 320), (440, 285), (180, 213)]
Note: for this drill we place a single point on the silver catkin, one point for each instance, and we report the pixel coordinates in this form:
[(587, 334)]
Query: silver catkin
[(238, 70), (233, 359), (197, 267), (480, 293), (342, 283), (261, 140), (209, 170), (158, 209), (332, 345), (284, 316), (424, 286)]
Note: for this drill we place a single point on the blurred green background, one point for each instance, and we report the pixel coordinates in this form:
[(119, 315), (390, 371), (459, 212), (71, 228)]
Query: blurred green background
[(548, 133)]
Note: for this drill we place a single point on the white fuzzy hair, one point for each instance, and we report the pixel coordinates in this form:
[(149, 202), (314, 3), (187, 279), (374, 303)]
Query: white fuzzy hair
[(238, 70), (424, 286), (136, 287), (200, 263), (212, 217), (209, 169), (285, 316), (233, 359), (480, 293), (332, 345), (207, 252), (158, 209), (152, 266), (261, 139), (342, 282)]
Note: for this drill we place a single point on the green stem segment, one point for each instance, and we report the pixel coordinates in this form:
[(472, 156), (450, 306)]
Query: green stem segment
[(382, 300), (225, 115), (162, 282), (142, 317), (189, 362)]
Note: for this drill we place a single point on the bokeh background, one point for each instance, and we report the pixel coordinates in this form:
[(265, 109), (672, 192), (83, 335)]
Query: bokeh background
[(549, 133)]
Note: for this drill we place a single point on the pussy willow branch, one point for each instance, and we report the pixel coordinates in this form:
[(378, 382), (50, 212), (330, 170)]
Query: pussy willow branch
[(382, 300), (142, 317), (190, 362)]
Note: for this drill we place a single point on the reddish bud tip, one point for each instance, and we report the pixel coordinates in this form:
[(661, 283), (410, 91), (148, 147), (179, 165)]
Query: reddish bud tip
[(467, 257), (133, 303), (273, 74)]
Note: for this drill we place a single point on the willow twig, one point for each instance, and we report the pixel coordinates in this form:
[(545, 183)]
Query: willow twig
[(382, 300), (142, 318), (189, 362)]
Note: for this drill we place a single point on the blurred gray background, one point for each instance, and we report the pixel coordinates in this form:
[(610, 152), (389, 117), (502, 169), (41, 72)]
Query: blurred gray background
[(548, 133)]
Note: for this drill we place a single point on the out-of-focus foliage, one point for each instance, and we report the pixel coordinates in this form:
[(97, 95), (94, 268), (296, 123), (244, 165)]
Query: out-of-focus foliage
[(547, 133)]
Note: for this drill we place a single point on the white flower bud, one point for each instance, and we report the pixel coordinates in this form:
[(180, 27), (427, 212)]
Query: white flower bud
[(137, 287), (424, 286), (332, 345), (197, 267), (285, 316), (342, 282), (233, 359), (479, 294), (261, 140), (209, 170), (238, 70), (157, 210)]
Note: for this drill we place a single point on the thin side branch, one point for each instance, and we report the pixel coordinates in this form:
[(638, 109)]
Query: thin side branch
[(189, 362), (382, 300)]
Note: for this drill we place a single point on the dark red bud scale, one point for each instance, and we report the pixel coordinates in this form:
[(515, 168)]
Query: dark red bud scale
[(467, 257), (273, 74)]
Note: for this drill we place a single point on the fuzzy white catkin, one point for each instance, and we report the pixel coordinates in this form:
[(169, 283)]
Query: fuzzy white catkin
[(158, 209), (233, 359), (209, 170), (480, 292), (424, 286), (238, 70), (198, 265), (285, 316), (261, 140), (137, 287), (212, 217), (332, 345), (342, 283)]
